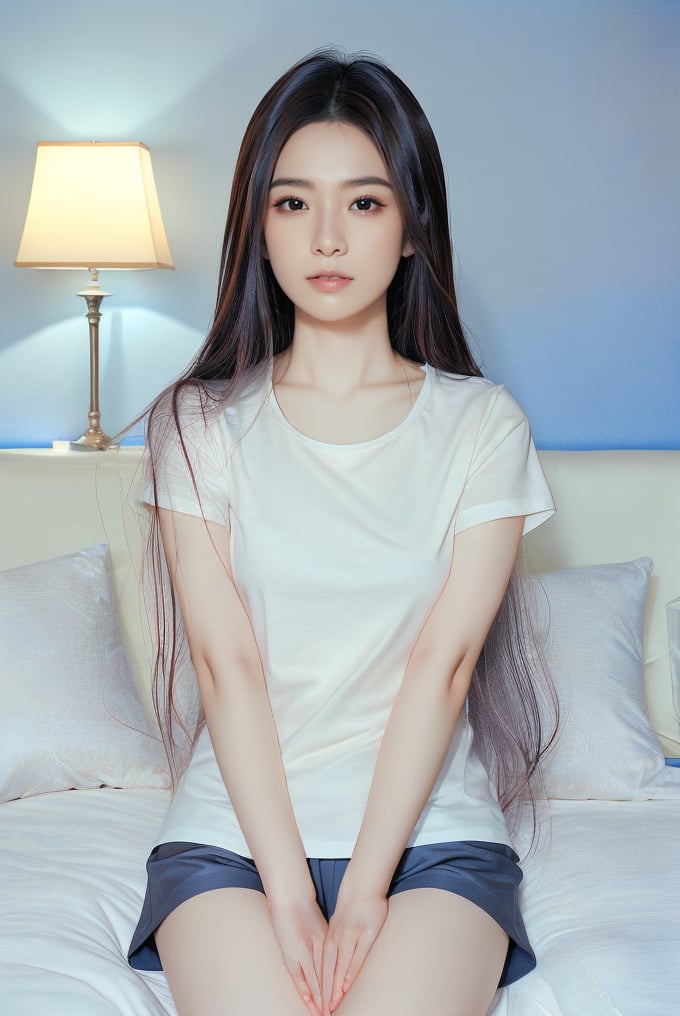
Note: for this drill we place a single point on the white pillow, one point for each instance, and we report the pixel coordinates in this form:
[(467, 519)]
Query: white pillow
[(606, 748), (70, 714)]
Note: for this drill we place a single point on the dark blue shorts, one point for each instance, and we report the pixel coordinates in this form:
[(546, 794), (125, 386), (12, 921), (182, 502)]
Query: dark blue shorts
[(485, 873)]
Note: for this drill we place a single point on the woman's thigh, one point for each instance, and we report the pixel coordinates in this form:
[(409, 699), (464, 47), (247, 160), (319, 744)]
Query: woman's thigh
[(220, 956), (437, 954)]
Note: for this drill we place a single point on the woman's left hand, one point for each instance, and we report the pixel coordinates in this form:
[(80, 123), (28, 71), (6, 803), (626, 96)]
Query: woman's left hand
[(352, 930)]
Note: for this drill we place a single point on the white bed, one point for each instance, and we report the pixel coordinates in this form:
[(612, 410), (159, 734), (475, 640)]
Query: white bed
[(601, 895), (72, 875), (598, 900)]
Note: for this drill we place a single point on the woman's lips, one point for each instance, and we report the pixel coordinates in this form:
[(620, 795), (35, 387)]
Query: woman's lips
[(329, 283)]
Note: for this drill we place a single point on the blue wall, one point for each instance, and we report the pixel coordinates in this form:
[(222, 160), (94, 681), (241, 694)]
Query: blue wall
[(559, 126)]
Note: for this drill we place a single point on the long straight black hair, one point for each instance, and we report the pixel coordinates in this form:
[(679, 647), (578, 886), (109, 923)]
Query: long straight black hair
[(254, 321)]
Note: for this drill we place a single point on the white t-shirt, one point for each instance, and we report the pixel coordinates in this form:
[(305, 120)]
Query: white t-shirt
[(339, 553)]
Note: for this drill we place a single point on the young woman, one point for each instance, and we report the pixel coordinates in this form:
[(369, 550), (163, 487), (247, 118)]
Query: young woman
[(340, 498)]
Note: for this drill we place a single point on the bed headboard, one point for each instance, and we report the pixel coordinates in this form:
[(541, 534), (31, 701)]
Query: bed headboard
[(612, 506), (617, 506)]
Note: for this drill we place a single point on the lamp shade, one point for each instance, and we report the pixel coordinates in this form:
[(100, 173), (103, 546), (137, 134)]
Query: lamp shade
[(93, 205)]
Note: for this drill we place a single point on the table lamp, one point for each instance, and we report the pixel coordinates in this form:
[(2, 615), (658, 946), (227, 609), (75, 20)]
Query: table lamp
[(93, 205)]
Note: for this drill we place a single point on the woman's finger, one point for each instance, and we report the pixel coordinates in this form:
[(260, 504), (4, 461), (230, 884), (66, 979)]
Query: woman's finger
[(342, 963), (300, 982), (356, 961), (299, 979), (347, 970), (310, 980), (317, 957), (330, 955)]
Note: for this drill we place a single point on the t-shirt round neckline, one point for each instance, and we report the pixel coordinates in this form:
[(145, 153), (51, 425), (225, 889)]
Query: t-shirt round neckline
[(412, 414)]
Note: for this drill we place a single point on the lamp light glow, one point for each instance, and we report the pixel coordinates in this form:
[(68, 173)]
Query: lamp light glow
[(93, 205)]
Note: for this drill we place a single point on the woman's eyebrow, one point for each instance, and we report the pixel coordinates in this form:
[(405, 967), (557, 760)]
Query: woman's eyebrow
[(362, 181)]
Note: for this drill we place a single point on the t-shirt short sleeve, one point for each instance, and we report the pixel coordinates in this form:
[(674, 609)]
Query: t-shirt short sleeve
[(505, 478), (189, 473)]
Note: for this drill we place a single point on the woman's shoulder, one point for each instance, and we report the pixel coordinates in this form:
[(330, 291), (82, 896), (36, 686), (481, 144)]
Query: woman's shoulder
[(460, 382), (456, 393), (241, 403), (461, 389), (215, 403)]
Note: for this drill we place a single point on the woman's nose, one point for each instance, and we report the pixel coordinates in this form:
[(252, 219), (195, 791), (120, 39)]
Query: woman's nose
[(329, 234)]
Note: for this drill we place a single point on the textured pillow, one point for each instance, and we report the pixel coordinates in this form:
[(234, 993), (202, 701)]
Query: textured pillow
[(70, 713), (606, 748)]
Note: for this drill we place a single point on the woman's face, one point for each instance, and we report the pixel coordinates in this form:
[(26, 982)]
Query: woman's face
[(332, 229)]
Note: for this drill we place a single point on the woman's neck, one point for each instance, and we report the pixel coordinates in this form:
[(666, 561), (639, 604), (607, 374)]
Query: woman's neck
[(338, 360)]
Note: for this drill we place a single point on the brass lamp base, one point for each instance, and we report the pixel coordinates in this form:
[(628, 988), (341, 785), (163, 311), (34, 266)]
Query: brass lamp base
[(94, 439)]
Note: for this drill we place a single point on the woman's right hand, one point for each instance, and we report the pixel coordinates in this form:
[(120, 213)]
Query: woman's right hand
[(300, 930)]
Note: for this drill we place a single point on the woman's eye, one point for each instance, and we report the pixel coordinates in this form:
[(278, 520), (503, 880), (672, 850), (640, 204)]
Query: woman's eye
[(367, 204), (290, 204)]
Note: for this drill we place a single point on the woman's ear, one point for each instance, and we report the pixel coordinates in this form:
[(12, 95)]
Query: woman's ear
[(408, 249)]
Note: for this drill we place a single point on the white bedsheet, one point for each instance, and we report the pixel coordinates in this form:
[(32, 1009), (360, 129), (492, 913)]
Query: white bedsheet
[(71, 883), (601, 903)]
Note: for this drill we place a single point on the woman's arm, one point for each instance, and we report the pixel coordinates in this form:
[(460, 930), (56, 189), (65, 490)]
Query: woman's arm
[(243, 734), (417, 738)]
